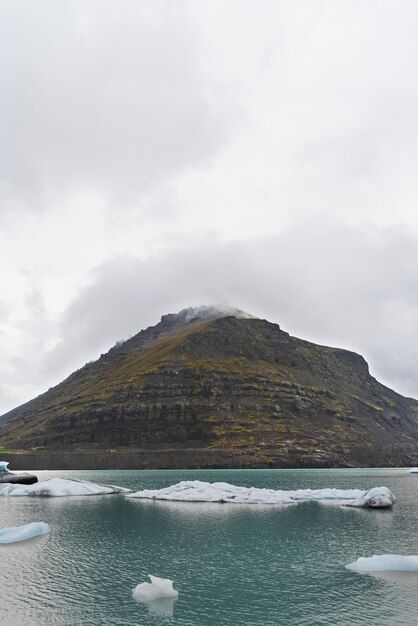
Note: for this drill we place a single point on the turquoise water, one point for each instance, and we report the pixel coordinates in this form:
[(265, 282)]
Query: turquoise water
[(256, 565)]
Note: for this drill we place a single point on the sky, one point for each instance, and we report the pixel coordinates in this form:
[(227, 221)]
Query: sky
[(160, 154)]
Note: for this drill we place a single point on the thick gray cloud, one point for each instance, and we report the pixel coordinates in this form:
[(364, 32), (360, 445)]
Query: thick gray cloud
[(99, 96)]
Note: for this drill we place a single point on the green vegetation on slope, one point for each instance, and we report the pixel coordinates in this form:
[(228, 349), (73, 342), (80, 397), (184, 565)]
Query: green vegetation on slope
[(241, 385)]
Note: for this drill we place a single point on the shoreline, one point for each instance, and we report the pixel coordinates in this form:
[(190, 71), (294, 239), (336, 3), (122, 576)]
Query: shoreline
[(170, 459)]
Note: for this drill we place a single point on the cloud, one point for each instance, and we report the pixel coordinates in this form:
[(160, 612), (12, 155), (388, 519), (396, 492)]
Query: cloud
[(328, 103), (100, 97), (27, 332)]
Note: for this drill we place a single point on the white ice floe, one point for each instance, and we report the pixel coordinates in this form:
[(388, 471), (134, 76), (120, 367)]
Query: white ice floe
[(22, 533), (413, 470), (59, 487), (198, 491), (3, 466), (385, 563), (376, 498), (157, 588)]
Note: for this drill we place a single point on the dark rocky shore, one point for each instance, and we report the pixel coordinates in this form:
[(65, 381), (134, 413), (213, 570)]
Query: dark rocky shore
[(200, 459), (19, 479)]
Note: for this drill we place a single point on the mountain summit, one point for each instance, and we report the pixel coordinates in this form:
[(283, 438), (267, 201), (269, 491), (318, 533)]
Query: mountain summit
[(208, 387)]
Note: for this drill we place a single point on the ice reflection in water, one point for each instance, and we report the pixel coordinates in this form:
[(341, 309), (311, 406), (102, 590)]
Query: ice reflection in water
[(163, 607), (406, 579)]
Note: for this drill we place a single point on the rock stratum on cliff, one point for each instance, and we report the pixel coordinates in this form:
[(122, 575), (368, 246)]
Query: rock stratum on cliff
[(205, 388)]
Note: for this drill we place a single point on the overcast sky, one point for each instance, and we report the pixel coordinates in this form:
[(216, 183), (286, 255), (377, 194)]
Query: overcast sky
[(161, 154)]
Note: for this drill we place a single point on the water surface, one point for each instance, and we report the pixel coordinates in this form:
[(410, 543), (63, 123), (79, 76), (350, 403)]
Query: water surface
[(256, 565)]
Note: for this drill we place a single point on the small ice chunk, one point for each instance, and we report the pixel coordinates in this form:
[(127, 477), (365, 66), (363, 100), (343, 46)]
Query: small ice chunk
[(385, 563), (3, 466), (22, 533), (157, 588), (58, 487), (413, 470)]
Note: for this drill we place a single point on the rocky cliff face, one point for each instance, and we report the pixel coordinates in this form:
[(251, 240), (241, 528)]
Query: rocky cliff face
[(213, 390)]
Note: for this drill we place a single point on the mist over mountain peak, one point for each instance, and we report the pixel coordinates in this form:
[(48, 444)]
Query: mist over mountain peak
[(204, 312)]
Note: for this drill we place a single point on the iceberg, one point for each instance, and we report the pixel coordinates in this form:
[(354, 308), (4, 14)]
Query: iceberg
[(385, 563), (58, 487), (199, 491), (413, 470), (376, 498), (157, 588), (3, 466), (23, 533)]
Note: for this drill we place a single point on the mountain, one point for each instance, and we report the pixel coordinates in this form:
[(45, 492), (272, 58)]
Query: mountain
[(213, 388)]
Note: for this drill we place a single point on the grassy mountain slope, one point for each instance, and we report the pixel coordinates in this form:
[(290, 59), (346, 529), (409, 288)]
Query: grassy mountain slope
[(224, 391)]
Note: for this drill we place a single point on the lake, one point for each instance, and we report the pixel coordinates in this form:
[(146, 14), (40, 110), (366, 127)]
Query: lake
[(255, 565)]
